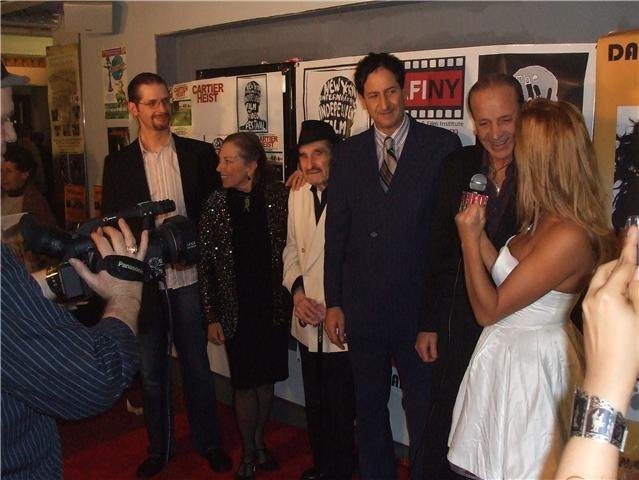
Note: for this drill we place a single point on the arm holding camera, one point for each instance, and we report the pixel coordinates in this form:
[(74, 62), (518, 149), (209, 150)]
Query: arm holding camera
[(52, 365)]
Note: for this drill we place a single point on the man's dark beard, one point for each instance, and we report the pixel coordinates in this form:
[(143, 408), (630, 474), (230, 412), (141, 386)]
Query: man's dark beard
[(17, 192)]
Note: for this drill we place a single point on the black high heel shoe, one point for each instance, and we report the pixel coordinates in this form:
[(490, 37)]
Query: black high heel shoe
[(246, 471), (265, 460)]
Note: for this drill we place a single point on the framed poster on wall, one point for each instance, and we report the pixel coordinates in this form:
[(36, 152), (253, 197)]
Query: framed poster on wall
[(256, 99)]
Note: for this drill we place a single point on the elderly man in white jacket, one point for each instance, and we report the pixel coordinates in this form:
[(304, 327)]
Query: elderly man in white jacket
[(328, 383)]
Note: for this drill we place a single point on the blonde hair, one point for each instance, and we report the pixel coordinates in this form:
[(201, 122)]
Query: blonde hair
[(557, 172)]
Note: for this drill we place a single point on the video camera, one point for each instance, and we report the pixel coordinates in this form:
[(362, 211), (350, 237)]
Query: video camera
[(172, 243)]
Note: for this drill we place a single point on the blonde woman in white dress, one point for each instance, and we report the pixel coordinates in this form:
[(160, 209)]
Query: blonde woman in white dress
[(512, 413)]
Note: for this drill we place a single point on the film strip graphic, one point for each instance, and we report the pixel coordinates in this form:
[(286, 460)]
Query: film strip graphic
[(435, 88)]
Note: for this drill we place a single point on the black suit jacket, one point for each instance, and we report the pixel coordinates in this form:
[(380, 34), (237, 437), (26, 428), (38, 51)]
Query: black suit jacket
[(124, 186), (374, 253), (448, 307), (124, 179)]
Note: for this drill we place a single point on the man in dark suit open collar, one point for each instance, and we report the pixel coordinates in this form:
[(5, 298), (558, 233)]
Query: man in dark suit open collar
[(156, 166), (449, 330), (376, 233)]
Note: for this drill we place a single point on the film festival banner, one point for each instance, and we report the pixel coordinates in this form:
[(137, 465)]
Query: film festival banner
[(617, 145), (114, 79), (436, 86), (437, 82), (213, 108), (326, 91)]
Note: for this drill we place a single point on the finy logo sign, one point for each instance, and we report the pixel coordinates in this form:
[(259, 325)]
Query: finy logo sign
[(435, 88)]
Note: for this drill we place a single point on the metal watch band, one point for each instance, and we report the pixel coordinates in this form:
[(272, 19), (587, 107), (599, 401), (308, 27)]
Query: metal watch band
[(595, 418), (54, 282)]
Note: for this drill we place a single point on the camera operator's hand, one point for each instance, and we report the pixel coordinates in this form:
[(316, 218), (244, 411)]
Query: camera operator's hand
[(122, 296)]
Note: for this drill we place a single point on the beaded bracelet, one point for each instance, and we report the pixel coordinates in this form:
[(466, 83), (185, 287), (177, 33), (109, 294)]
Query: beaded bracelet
[(593, 417)]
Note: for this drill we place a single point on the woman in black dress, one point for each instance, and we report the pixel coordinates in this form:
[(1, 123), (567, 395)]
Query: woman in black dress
[(242, 234)]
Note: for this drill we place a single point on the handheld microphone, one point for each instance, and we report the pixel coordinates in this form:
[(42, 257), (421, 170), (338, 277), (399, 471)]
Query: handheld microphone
[(477, 185), (478, 182)]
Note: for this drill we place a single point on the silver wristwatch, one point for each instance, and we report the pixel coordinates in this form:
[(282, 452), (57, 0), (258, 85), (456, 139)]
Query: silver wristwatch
[(593, 417)]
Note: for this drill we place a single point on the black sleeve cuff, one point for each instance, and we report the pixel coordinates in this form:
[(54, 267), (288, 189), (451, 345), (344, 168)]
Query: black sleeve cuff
[(298, 283)]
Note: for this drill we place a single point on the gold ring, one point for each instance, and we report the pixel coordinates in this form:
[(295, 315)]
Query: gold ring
[(133, 249)]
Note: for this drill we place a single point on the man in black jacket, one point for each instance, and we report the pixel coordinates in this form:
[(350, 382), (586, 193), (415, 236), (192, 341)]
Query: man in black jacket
[(449, 330), (157, 166)]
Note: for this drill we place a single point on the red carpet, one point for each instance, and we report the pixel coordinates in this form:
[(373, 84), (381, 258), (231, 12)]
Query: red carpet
[(119, 457), (111, 446)]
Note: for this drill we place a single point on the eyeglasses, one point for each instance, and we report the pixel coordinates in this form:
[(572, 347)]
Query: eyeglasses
[(155, 103)]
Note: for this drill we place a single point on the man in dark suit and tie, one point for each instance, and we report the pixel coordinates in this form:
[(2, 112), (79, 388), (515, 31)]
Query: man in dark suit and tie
[(157, 166), (380, 198)]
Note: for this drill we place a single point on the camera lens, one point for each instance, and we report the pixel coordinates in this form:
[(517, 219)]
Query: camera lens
[(43, 239), (178, 237)]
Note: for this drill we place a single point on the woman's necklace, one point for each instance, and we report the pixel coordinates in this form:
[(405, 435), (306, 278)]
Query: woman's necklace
[(247, 203)]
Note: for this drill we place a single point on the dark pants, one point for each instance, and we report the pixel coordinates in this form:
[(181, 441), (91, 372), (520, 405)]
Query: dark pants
[(456, 343), (330, 411), (372, 350), (189, 337), (436, 466)]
